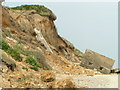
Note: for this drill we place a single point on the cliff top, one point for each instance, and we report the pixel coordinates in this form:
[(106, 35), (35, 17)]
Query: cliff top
[(40, 9)]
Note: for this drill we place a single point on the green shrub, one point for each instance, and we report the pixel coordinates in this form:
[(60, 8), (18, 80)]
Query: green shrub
[(34, 68), (33, 61), (25, 68), (13, 52), (40, 9), (18, 48), (22, 50), (4, 45)]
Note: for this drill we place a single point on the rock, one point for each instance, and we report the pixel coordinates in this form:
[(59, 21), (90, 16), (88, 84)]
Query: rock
[(115, 70), (93, 60), (83, 87), (64, 83), (8, 61), (68, 44), (6, 84), (4, 68), (47, 76)]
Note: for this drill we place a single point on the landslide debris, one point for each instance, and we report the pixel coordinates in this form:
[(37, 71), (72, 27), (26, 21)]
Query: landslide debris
[(27, 62)]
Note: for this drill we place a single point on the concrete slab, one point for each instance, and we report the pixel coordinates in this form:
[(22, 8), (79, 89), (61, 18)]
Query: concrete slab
[(93, 60)]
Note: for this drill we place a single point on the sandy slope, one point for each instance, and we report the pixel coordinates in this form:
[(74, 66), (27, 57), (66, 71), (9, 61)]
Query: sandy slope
[(97, 81)]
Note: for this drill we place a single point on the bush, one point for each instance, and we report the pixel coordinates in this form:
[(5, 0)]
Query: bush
[(40, 9), (33, 61), (25, 68), (13, 52), (34, 68), (4, 45)]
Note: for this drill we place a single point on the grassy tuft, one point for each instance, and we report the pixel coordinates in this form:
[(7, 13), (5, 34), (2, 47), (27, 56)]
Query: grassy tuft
[(31, 58), (34, 68), (13, 52), (25, 68), (33, 61), (40, 9)]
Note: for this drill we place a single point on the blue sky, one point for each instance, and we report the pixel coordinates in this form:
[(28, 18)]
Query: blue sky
[(88, 25)]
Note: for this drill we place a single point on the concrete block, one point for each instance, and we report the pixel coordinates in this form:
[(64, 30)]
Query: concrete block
[(93, 60)]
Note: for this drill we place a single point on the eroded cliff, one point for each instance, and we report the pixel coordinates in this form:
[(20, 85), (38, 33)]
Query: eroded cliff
[(29, 57)]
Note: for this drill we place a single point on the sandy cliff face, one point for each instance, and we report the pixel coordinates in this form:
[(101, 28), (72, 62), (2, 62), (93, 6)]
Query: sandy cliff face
[(18, 32), (28, 20)]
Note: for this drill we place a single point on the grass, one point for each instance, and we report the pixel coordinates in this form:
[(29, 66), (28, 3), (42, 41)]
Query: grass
[(34, 68), (4, 45), (15, 52), (30, 59), (40, 9), (12, 51), (22, 50), (25, 68), (33, 61)]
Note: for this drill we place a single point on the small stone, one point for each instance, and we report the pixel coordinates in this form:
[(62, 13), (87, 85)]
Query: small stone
[(65, 83), (47, 76)]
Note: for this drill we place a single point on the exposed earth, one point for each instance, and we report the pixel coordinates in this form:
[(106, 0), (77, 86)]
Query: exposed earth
[(26, 61)]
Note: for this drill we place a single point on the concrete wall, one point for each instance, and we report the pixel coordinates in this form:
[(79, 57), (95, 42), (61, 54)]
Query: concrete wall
[(93, 60)]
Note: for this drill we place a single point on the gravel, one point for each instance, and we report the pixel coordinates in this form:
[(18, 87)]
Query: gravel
[(96, 81)]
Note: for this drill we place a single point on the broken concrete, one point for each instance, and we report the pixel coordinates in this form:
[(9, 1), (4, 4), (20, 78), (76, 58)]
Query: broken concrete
[(40, 37), (93, 60), (115, 70)]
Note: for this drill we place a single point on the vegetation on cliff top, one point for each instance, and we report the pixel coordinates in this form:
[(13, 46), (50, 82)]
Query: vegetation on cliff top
[(40, 9)]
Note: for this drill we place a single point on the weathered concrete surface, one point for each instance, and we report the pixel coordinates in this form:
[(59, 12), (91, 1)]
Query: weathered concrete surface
[(93, 60)]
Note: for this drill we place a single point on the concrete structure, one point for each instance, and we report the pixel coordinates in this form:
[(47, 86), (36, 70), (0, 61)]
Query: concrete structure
[(115, 70), (40, 37), (93, 60)]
